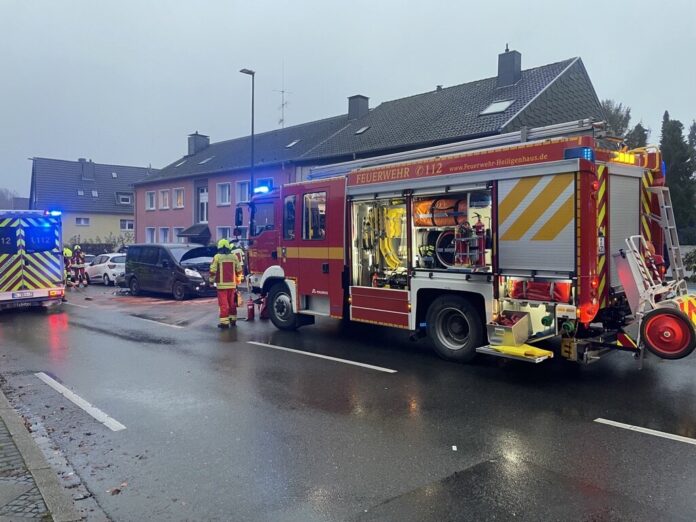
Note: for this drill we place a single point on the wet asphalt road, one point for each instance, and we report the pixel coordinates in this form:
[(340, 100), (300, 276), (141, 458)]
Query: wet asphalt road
[(220, 429)]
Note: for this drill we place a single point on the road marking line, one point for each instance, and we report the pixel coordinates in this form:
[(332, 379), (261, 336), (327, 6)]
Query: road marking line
[(73, 304), (95, 412), (648, 431), (157, 322), (345, 361)]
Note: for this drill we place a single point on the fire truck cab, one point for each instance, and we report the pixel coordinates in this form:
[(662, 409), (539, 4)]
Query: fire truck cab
[(510, 241)]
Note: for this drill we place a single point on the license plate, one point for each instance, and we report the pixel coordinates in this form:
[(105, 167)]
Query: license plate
[(22, 295)]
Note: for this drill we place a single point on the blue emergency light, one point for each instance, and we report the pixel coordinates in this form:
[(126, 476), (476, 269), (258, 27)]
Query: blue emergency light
[(586, 153), (52, 213), (263, 189)]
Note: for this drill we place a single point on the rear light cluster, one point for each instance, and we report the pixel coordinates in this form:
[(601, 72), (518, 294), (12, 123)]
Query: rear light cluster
[(55, 293), (111, 266)]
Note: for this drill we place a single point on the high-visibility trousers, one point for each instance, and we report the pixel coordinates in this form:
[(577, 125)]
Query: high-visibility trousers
[(227, 301)]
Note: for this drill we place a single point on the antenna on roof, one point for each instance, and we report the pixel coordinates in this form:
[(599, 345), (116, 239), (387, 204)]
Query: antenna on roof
[(507, 49), (283, 103)]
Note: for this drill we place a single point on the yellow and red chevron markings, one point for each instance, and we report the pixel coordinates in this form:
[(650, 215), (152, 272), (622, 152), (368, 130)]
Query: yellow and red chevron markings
[(602, 222)]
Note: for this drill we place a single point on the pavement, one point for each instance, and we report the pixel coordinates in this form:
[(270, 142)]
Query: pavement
[(337, 422), (29, 487)]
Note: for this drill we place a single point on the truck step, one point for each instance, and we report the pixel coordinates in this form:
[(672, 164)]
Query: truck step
[(523, 352)]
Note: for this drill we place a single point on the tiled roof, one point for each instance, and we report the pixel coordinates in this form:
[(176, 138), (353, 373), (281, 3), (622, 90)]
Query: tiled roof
[(269, 148), (552, 93), (57, 184)]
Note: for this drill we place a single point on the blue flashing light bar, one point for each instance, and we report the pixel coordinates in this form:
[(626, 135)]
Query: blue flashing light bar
[(53, 213), (263, 189), (586, 153)]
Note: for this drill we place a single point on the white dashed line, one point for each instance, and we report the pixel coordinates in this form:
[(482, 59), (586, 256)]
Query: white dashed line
[(336, 359), (95, 412), (647, 431)]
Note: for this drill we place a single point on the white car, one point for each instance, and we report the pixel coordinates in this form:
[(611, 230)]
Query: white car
[(105, 268)]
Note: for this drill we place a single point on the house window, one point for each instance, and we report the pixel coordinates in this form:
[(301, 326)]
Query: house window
[(496, 107), (289, 217), (82, 221), (164, 235), (177, 231), (224, 196), (202, 205), (150, 200), (95, 194), (125, 199), (242, 191), (178, 198), (224, 233), (127, 224), (164, 200), (150, 235), (314, 216)]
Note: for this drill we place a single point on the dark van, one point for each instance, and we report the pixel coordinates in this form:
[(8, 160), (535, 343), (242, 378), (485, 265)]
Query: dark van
[(178, 269)]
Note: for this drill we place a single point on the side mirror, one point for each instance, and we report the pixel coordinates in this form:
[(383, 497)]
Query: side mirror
[(238, 217), (165, 263)]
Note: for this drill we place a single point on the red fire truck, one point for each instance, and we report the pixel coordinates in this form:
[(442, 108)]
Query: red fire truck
[(492, 246)]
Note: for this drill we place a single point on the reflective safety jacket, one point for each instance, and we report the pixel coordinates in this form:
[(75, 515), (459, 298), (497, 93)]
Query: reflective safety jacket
[(78, 259), (236, 251), (224, 270)]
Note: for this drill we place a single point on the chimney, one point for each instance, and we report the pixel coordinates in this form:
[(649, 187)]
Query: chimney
[(509, 68), (87, 169), (358, 106), (197, 142)]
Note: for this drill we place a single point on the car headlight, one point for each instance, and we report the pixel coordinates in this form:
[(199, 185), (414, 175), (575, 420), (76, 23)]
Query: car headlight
[(192, 273)]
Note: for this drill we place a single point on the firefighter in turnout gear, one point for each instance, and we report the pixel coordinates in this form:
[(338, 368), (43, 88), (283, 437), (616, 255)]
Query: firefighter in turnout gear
[(224, 271), (78, 266), (67, 260)]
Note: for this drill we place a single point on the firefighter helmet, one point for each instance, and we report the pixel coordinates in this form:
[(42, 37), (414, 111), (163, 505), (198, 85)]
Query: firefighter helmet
[(223, 243), (77, 247), (67, 252)]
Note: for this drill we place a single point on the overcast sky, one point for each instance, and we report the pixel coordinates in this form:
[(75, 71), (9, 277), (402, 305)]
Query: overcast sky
[(125, 81)]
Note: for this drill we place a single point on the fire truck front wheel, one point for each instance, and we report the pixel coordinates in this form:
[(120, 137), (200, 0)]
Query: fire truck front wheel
[(280, 308), (455, 328)]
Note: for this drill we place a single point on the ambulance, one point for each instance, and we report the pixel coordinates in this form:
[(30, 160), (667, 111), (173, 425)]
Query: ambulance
[(544, 242), (31, 259)]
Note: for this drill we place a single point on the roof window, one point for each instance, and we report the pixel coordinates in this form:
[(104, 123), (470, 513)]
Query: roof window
[(95, 194), (361, 130), (206, 160), (80, 192), (292, 144), (180, 164), (114, 175), (496, 107)]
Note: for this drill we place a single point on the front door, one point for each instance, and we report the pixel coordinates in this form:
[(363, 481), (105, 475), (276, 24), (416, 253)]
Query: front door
[(320, 247)]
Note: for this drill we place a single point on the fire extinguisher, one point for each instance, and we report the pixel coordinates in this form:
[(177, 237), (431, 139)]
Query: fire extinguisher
[(480, 231), (250, 309)]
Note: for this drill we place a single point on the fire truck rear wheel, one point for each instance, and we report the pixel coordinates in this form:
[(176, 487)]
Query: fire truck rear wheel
[(280, 308), (455, 328), (668, 333)]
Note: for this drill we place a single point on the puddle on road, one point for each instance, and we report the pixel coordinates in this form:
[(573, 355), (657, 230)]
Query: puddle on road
[(129, 335)]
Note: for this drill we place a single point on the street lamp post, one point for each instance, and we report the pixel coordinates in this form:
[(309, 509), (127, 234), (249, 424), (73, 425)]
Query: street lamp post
[(251, 175)]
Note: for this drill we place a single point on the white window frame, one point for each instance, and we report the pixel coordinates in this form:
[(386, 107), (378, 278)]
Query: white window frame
[(161, 239), (95, 193), (150, 234), (162, 192), (127, 197), (199, 202), (218, 198), (150, 194), (82, 221), (175, 235), (174, 198), (127, 222), (242, 196), (218, 233)]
